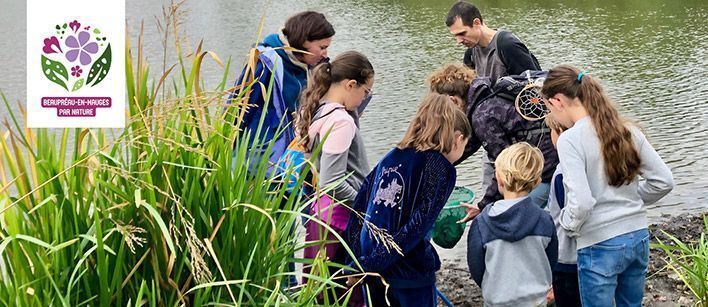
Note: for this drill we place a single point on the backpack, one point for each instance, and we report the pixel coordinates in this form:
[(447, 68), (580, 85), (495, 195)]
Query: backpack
[(502, 36), (507, 88), (294, 158)]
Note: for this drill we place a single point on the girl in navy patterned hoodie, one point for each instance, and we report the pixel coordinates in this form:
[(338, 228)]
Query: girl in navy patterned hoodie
[(402, 197)]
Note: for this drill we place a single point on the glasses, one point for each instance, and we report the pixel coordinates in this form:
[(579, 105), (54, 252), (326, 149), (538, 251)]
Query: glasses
[(367, 91)]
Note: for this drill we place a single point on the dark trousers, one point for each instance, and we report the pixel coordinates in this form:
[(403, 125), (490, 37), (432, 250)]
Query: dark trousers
[(398, 297), (565, 289)]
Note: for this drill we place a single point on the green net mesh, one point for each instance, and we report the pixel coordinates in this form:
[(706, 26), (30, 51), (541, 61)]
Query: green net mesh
[(446, 231)]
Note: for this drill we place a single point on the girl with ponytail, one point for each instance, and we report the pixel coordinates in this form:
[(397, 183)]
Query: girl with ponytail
[(602, 157), (328, 113)]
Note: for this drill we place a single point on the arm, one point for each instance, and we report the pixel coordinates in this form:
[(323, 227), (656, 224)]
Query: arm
[(515, 55), (552, 248), (579, 201), (488, 125), (476, 253), (467, 59), (334, 158), (659, 180), (435, 188), (473, 145), (353, 233), (255, 96)]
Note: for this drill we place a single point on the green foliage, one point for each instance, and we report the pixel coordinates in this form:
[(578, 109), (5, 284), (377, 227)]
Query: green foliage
[(690, 262)]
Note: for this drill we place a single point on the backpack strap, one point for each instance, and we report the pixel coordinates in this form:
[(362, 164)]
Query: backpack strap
[(326, 114)]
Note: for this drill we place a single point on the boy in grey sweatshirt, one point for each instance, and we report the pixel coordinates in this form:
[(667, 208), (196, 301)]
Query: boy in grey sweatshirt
[(512, 244)]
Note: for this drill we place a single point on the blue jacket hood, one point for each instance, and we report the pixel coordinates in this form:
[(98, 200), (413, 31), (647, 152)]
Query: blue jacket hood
[(515, 223)]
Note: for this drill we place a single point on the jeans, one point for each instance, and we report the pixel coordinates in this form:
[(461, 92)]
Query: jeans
[(614, 270)]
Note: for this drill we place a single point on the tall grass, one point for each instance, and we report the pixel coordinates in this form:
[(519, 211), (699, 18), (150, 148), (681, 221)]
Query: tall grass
[(163, 214), (690, 263)]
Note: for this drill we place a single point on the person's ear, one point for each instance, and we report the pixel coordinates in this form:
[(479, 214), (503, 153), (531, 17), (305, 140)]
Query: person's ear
[(500, 183), (476, 22), (461, 140), (350, 84)]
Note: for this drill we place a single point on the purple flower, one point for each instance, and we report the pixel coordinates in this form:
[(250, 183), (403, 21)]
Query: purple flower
[(76, 71), (80, 48), (75, 25), (51, 45)]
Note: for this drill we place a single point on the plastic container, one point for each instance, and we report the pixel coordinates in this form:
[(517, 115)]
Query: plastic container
[(446, 231)]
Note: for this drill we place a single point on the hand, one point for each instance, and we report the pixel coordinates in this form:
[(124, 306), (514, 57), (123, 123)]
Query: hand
[(352, 280), (472, 212), (550, 297)]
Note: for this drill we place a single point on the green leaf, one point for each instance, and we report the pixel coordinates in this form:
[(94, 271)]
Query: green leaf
[(100, 68), (79, 83), (96, 31), (53, 70)]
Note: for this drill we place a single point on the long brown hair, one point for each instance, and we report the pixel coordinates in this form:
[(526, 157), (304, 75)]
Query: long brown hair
[(307, 26), (435, 124), (619, 154), (349, 65)]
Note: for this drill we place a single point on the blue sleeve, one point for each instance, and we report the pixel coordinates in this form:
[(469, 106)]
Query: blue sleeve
[(352, 236), (438, 180), (476, 252), (255, 97)]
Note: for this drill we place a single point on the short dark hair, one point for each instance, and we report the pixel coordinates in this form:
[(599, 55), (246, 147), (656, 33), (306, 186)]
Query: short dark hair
[(307, 26), (464, 10)]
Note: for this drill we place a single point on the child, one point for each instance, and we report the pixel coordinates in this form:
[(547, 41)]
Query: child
[(565, 273), (403, 196), (512, 244), (328, 109), (495, 125), (602, 158)]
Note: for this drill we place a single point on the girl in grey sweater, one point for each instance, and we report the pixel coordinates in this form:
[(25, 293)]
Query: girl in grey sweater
[(602, 159)]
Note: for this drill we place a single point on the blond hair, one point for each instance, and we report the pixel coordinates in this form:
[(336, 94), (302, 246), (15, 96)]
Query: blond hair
[(453, 80), (435, 124), (519, 167)]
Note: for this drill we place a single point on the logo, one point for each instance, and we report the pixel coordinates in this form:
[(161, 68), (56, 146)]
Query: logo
[(76, 64), (391, 186), (76, 55)]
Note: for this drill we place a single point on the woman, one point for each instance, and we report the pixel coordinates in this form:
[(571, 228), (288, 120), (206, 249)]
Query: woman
[(286, 58)]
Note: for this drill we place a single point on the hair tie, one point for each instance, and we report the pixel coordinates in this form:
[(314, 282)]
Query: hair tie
[(580, 76)]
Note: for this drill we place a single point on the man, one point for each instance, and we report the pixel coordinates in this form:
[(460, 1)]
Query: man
[(491, 53)]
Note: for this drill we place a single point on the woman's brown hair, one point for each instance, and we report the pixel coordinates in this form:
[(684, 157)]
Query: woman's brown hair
[(453, 80), (350, 65), (307, 26), (435, 124), (619, 154)]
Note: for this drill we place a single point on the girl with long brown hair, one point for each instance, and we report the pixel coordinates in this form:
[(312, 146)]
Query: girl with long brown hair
[(328, 115), (602, 158)]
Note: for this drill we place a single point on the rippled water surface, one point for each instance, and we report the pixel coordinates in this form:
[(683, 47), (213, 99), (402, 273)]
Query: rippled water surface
[(650, 54)]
